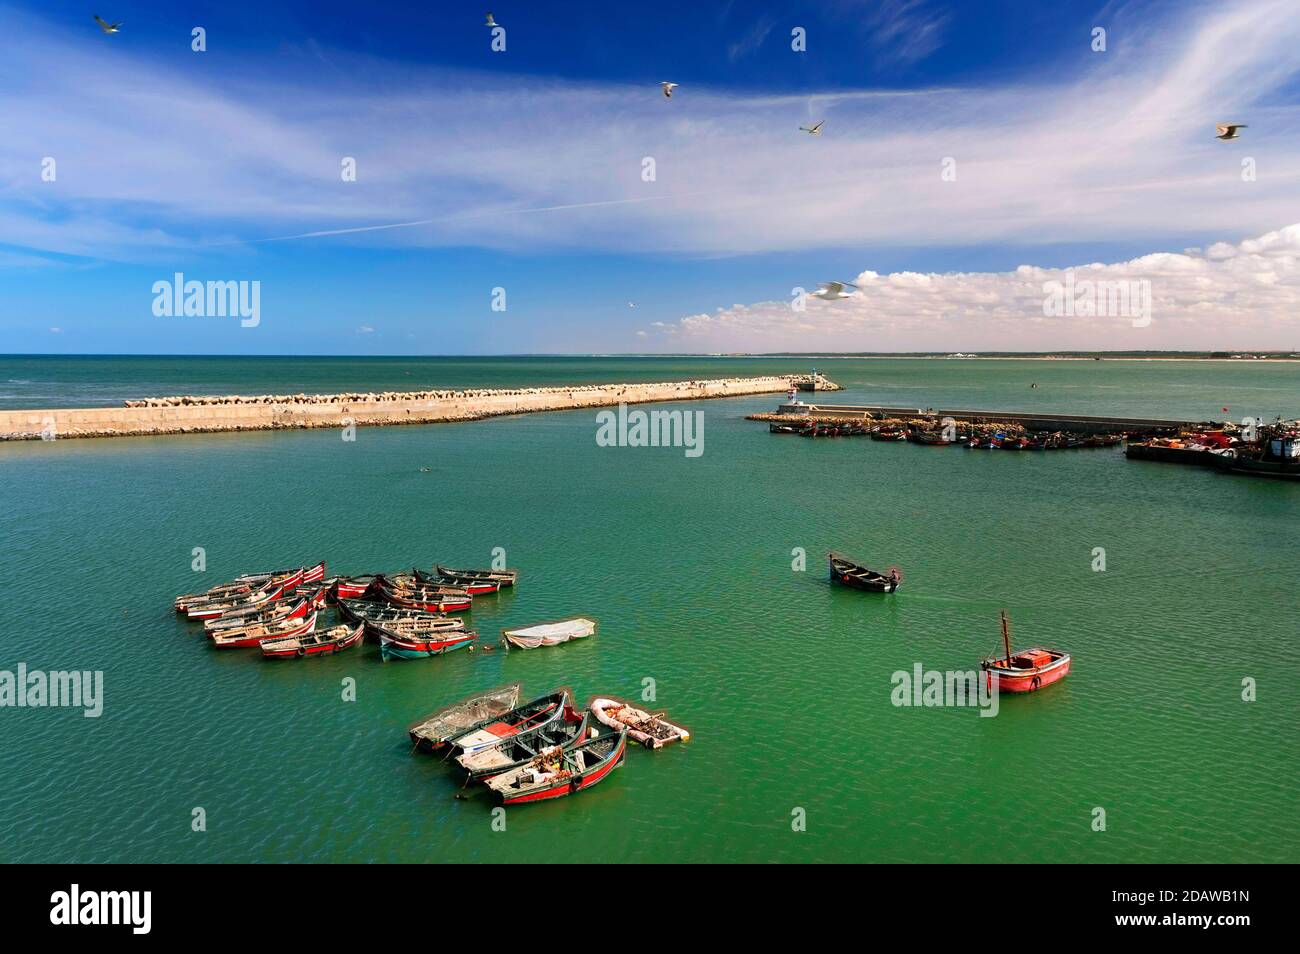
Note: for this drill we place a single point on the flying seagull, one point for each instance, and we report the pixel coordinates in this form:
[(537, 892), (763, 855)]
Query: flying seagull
[(668, 89), (1228, 130), (489, 21), (107, 27), (813, 130), (833, 291), (631, 304)]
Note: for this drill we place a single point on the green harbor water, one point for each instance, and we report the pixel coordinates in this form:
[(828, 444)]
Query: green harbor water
[(687, 563)]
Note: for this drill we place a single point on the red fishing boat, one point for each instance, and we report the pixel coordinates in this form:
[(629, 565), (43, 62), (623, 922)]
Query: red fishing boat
[(562, 770), (314, 643), (295, 608), (353, 587), (256, 633), (1027, 669), (254, 600), (473, 585), (429, 599), (313, 574), (396, 645), (240, 586)]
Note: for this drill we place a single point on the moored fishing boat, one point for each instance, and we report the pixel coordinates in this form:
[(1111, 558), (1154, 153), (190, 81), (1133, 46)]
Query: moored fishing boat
[(1027, 669), (471, 585), (223, 592), (295, 608), (397, 617), (929, 438), (1275, 454), (566, 771), (530, 715), (847, 573), (352, 587), (652, 731), (433, 731), (549, 634), (505, 577), (425, 625), (395, 645), (520, 749), (313, 643), (426, 599), (888, 434), (313, 574), (255, 634), (250, 583), (254, 600), (411, 581)]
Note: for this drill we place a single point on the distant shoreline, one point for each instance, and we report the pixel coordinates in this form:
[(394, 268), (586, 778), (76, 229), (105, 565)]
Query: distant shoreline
[(1254, 358)]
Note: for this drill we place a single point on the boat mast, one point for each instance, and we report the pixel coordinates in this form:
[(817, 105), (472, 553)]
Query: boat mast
[(1006, 638)]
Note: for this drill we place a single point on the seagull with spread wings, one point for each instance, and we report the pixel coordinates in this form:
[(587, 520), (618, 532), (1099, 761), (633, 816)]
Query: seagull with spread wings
[(107, 28), (813, 130), (1228, 130), (834, 291), (668, 89)]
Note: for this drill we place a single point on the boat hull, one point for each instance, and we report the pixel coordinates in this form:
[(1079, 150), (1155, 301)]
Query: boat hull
[(847, 573), (605, 711), (238, 640), (431, 604), (396, 647), (573, 784), (433, 731), (272, 651), (1030, 680)]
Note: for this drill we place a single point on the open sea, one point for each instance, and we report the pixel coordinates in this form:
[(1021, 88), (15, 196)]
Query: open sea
[(691, 566)]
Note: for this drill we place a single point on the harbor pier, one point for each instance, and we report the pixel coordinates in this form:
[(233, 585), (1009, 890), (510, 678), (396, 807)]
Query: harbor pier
[(192, 415), (1030, 420)]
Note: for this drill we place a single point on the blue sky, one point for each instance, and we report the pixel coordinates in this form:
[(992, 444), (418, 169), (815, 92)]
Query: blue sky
[(523, 169)]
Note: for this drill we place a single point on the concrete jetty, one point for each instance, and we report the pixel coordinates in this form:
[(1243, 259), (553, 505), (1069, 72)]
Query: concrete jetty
[(191, 414), (1030, 420)]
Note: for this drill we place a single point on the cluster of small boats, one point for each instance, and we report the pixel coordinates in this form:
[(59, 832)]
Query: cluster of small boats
[(1022, 671), (989, 437), (279, 611), (541, 749)]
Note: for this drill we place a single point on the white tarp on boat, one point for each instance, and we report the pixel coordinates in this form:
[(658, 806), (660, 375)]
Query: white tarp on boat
[(550, 634)]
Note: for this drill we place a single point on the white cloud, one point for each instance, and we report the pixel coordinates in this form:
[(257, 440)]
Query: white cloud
[(1103, 147), (365, 330), (1232, 296)]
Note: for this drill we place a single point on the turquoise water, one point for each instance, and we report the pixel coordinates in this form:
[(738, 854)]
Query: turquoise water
[(785, 682)]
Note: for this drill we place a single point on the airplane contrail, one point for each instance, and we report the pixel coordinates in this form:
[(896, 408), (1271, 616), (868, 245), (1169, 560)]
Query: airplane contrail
[(324, 233)]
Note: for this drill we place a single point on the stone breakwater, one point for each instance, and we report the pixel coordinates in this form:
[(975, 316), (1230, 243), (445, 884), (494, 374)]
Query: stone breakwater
[(195, 415)]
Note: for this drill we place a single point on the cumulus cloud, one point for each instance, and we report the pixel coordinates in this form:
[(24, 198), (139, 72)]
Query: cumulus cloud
[(1229, 296), (1104, 147)]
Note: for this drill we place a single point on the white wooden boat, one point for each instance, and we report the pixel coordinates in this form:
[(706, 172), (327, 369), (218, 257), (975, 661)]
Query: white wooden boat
[(652, 731), (550, 634)]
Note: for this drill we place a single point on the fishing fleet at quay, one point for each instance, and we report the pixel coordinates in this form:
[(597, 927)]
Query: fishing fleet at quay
[(537, 750)]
